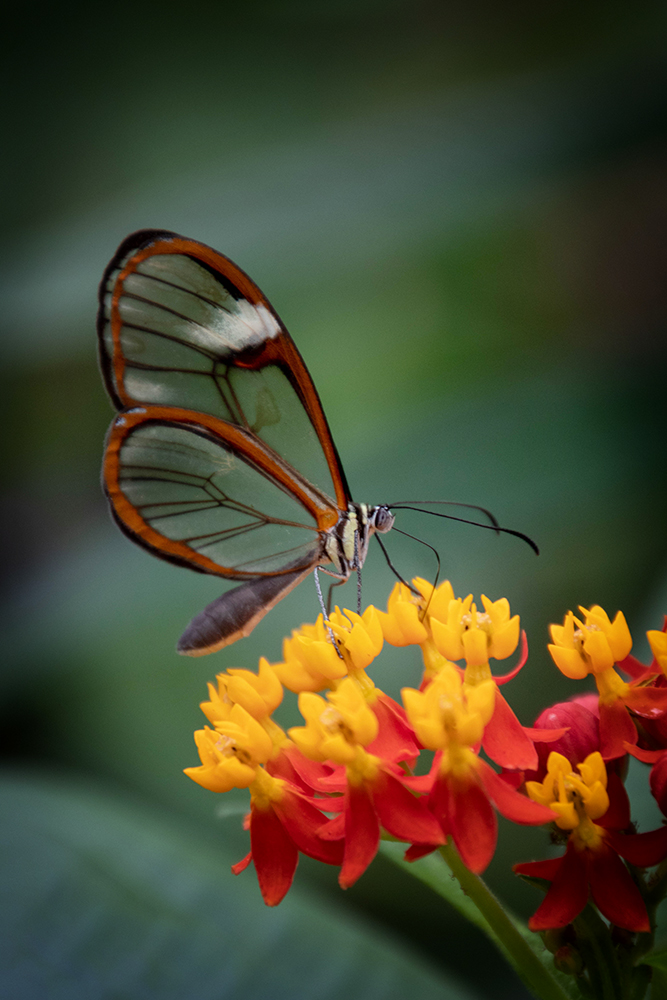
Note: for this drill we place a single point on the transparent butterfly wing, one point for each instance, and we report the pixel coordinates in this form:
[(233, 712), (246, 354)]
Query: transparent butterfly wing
[(180, 325), (200, 492)]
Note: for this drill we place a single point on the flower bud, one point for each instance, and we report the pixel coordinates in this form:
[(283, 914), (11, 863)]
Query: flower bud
[(582, 738), (569, 961)]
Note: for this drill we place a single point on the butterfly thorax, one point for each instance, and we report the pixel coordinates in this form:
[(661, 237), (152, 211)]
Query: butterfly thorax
[(346, 543)]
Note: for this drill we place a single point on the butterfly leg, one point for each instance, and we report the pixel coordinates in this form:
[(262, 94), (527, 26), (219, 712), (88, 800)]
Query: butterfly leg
[(325, 610), (358, 568)]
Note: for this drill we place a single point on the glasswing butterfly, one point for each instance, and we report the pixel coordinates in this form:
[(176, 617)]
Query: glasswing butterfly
[(221, 458)]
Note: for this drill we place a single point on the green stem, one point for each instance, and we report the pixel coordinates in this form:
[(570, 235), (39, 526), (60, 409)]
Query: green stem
[(528, 966), (596, 946)]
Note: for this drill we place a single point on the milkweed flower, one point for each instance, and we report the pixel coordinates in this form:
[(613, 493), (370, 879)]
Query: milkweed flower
[(283, 821), (359, 636), (593, 808), (593, 644), (458, 630), (339, 729), (310, 660), (449, 717)]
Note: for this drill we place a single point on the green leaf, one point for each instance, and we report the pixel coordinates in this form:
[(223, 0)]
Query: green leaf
[(658, 959), (104, 899)]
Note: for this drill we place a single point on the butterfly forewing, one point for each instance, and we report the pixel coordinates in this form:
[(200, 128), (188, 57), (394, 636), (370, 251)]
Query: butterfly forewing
[(191, 330)]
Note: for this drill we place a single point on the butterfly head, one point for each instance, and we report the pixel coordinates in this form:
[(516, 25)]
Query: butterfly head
[(381, 519)]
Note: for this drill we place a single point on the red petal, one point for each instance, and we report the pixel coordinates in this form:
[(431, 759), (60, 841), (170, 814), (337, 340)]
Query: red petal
[(617, 816), (641, 849), (632, 667), (647, 756), (505, 740), (395, 740), (523, 656), (334, 829), (440, 802), (474, 826), (362, 835), (241, 865), (539, 869), (545, 735), (512, 804), (658, 782), (567, 894), (309, 772), (333, 783), (402, 814), (615, 894), (616, 727), (416, 851), (302, 821), (421, 783), (648, 702), (274, 853)]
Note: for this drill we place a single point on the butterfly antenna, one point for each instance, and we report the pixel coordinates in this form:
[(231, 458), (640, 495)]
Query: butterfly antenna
[(449, 503), (435, 553), (393, 568), (477, 524)]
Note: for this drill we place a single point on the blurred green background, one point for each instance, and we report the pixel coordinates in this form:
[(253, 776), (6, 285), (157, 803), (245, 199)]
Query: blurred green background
[(459, 212)]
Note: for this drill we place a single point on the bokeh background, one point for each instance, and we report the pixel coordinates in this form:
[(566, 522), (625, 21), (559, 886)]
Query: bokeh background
[(459, 211)]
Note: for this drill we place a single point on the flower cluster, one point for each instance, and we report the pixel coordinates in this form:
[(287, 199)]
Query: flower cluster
[(351, 773)]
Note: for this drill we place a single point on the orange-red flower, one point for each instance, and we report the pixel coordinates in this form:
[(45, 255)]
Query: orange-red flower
[(283, 820), (594, 807), (450, 717), (593, 645), (340, 731)]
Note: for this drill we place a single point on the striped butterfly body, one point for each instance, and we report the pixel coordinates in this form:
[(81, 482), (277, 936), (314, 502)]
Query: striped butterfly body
[(220, 457)]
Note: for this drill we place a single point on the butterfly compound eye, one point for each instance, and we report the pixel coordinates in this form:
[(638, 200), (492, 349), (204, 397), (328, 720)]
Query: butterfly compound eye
[(383, 520)]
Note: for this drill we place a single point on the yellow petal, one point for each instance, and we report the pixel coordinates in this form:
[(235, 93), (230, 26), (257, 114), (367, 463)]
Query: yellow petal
[(658, 643), (596, 802), (569, 662), (596, 647), (475, 647), (447, 640), (505, 639), (567, 815), (620, 640)]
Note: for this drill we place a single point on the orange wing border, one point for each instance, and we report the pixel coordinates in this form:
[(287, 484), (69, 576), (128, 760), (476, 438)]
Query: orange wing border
[(280, 350), (246, 445)]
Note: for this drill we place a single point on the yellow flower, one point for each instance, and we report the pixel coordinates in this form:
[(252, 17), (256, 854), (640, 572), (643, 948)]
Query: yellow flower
[(336, 726), (436, 599), (219, 705), (260, 693), (231, 755), (477, 636), (401, 623), (311, 662), (450, 717), (578, 799), (593, 646), (658, 642), (360, 636)]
